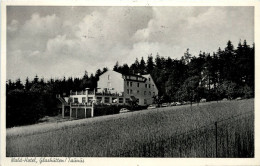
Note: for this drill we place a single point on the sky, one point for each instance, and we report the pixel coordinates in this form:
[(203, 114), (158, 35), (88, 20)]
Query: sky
[(54, 42)]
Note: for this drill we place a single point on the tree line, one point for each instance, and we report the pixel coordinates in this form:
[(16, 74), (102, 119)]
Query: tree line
[(226, 73)]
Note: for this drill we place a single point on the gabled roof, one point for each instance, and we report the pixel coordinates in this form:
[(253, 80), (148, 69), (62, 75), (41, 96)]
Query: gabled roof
[(147, 75)]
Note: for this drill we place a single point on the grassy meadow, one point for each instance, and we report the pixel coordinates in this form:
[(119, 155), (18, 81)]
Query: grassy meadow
[(114, 135)]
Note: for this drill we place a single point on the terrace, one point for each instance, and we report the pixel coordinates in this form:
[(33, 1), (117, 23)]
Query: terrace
[(96, 93)]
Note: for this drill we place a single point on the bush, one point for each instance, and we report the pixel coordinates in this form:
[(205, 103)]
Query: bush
[(24, 107), (101, 110)]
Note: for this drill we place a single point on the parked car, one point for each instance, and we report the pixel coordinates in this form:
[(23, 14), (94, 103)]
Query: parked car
[(203, 100), (123, 110), (173, 104), (225, 99), (239, 98), (151, 107), (184, 102), (164, 105), (177, 103)]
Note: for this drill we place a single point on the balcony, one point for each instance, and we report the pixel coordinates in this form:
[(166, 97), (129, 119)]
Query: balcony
[(80, 104), (109, 94), (97, 93), (78, 93)]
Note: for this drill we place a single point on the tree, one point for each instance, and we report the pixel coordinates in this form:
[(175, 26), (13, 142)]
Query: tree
[(116, 66), (104, 70), (134, 68), (18, 84), (187, 57), (246, 92), (24, 107), (189, 89), (36, 79), (98, 73), (157, 100), (142, 66), (158, 62), (124, 69), (228, 89), (133, 102), (27, 84), (228, 59), (150, 64)]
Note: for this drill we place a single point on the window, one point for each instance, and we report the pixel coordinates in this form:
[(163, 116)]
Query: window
[(137, 101), (149, 86), (150, 93), (90, 99), (121, 100), (127, 91), (131, 84), (106, 99), (149, 79), (145, 101), (145, 85), (144, 92), (127, 83), (138, 92), (114, 100), (109, 84), (99, 99), (76, 100), (108, 77), (131, 91), (138, 84), (127, 100), (83, 99)]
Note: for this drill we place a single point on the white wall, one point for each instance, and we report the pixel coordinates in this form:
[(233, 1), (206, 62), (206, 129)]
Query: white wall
[(111, 80)]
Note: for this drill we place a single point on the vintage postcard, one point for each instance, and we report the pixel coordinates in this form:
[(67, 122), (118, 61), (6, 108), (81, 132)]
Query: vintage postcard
[(134, 83)]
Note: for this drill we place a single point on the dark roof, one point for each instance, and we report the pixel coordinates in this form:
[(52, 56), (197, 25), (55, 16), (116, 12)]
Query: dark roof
[(137, 78)]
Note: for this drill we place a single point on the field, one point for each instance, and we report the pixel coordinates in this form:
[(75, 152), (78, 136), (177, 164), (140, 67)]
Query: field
[(137, 133)]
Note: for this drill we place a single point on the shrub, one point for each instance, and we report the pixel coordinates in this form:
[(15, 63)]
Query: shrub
[(24, 107), (101, 110)]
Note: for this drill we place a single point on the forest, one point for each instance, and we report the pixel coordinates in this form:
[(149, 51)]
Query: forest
[(226, 73)]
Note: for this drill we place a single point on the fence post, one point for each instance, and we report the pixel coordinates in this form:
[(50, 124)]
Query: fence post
[(216, 137)]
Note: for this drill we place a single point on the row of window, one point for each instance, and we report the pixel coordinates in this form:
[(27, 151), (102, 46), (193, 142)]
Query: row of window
[(107, 100), (76, 100), (130, 91), (138, 84), (134, 78)]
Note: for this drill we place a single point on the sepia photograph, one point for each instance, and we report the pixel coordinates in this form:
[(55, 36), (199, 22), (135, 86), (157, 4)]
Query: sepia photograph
[(129, 82)]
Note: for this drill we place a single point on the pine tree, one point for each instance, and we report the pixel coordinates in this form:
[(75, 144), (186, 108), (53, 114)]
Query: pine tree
[(150, 64), (27, 84), (142, 66), (116, 66), (36, 79)]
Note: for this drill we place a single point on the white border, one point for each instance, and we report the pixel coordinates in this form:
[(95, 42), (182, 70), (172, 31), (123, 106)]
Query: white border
[(136, 161)]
